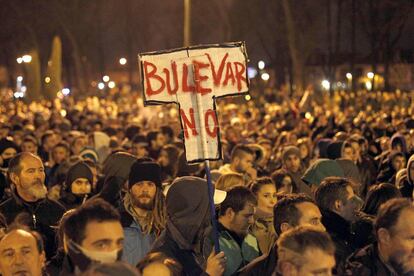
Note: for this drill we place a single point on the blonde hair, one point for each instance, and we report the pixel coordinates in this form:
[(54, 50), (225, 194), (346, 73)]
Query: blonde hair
[(227, 181)]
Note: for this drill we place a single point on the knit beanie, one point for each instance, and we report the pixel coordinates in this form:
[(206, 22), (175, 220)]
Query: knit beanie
[(145, 171), (6, 144), (78, 170)]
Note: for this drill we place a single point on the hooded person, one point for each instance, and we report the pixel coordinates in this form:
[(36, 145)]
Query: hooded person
[(321, 169), (143, 215), (351, 172), (115, 172), (291, 163), (334, 150), (8, 149), (101, 145), (188, 219), (405, 181), (395, 161), (321, 147), (77, 186)]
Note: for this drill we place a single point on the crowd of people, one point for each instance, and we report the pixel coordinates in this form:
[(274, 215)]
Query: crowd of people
[(321, 185)]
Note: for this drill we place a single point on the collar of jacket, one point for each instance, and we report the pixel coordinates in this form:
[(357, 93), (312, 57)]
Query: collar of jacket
[(335, 224)]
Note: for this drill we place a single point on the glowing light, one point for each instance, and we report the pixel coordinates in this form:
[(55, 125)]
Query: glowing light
[(348, 76), (251, 72), (122, 61), (63, 113), (101, 85), (368, 85), (65, 91), (265, 76), (47, 79), (18, 95), (247, 97), (111, 84), (308, 115), (261, 64), (27, 58), (326, 84), (19, 60), (23, 89), (20, 78), (370, 75), (105, 78)]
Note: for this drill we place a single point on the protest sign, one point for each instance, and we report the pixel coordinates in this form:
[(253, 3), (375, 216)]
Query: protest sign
[(194, 78)]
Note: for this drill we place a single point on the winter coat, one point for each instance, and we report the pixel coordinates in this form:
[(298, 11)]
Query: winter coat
[(238, 255), (263, 265), (366, 262), (340, 231), (39, 216)]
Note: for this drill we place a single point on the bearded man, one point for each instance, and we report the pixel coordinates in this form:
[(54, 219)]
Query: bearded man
[(143, 217), (29, 205)]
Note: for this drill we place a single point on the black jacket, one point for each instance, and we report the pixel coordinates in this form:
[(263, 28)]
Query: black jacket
[(366, 262), (340, 231), (187, 258), (39, 216), (263, 265)]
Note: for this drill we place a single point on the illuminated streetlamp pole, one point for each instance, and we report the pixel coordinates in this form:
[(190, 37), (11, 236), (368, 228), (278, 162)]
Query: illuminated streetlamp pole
[(187, 23)]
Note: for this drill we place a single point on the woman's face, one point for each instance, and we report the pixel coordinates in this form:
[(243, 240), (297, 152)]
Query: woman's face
[(163, 159), (286, 187), (266, 198)]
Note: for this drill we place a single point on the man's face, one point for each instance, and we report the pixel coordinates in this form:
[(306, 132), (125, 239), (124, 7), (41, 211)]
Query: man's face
[(59, 154), (50, 142), (19, 255), (104, 236), (29, 147), (30, 182), (316, 262), (348, 153), (143, 194), (310, 216), (139, 150), (349, 208), (398, 163), (357, 150), (292, 163), (244, 162), (402, 243), (79, 144), (81, 186), (242, 220)]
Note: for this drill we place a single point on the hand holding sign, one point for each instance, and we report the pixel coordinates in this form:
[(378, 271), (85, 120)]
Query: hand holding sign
[(193, 78)]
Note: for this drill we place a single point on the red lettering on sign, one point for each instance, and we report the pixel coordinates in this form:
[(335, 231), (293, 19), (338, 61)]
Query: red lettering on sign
[(217, 75), (229, 75), (151, 74), (210, 113), (240, 71), (188, 123), (170, 90), (198, 78), (186, 87)]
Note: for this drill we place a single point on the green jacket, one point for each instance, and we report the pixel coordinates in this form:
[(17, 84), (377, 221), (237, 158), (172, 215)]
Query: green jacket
[(237, 257)]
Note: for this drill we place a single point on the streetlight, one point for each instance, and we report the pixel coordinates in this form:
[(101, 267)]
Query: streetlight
[(122, 61), (326, 84), (349, 76), (111, 84), (101, 86), (265, 76), (370, 75), (19, 60), (261, 64), (27, 58), (105, 78)]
